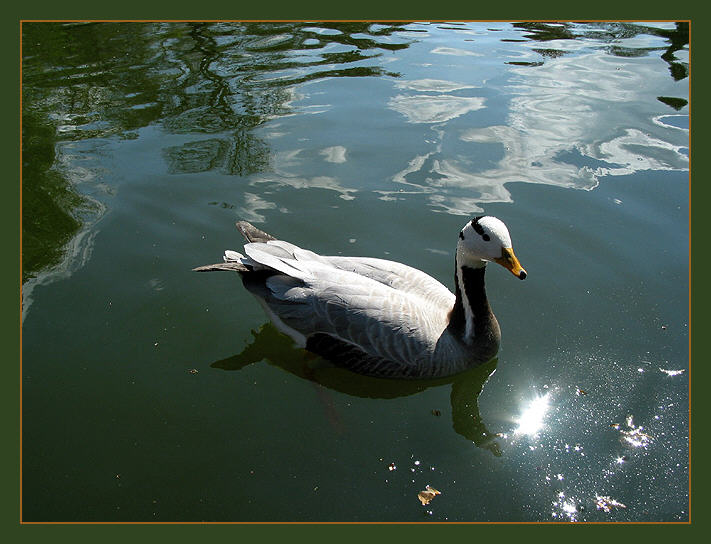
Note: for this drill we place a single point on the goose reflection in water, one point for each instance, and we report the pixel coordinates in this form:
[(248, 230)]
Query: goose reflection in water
[(277, 349)]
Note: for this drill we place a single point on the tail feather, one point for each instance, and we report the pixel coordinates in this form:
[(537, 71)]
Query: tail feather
[(229, 266), (232, 256), (236, 262), (252, 233)]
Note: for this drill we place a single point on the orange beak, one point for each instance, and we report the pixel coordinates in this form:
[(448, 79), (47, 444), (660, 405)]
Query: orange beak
[(509, 261)]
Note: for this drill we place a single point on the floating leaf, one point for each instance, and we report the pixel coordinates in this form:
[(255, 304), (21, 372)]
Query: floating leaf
[(427, 495)]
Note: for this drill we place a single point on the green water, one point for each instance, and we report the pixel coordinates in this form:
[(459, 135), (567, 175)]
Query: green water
[(151, 393)]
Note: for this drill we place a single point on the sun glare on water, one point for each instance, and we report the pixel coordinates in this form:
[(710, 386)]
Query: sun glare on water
[(531, 420)]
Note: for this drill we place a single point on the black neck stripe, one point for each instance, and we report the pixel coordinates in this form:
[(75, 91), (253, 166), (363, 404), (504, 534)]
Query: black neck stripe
[(475, 292)]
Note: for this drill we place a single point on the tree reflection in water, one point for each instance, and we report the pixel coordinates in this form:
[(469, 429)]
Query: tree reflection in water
[(89, 81)]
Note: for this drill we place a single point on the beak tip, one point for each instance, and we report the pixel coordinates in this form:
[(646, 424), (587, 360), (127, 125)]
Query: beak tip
[(522, 275)]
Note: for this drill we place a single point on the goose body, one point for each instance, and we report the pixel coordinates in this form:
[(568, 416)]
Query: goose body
[(374, 316)]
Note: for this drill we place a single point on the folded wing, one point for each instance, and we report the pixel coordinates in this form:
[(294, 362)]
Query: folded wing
[(353, 307)]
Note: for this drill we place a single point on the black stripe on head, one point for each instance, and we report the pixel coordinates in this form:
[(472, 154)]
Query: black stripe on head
[(479, 229)]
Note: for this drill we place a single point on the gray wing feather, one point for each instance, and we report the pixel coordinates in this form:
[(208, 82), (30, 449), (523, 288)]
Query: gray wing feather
[(360, 311), (387, 310), (398, 276)]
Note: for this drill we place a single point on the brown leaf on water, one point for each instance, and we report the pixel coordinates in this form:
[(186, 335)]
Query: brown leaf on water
[(427, 495)]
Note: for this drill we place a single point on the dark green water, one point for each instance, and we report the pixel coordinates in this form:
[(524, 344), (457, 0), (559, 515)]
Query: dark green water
[(151, 393)]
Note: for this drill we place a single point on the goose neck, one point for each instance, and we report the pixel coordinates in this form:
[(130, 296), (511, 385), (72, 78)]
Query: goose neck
[(471, 317)]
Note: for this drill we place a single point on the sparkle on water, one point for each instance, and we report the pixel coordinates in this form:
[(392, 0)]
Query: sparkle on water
[(531, 420)]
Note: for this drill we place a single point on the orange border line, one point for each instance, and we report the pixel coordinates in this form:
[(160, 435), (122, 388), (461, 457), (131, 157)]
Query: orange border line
[(689, 289), (21, 283), (688, 522), (356, 523)]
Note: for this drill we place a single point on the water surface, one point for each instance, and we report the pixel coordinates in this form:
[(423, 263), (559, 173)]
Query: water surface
[(151, 393)]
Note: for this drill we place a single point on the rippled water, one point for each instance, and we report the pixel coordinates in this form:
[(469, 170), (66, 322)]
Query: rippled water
[(151, 393)]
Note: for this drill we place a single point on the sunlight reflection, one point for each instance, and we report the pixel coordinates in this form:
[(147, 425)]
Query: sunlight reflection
[(634, 435), (565, 508), (531, 420)]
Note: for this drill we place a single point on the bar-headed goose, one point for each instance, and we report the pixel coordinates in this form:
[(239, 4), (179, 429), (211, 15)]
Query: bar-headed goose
[(374, 316)]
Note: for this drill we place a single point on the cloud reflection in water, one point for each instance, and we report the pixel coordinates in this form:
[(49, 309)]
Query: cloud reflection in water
[(571, 121), (434, 109)]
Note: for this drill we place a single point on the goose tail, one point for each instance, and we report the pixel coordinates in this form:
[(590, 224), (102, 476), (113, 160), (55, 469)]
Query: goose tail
[(229, 266), (252, 233), (235, 262)]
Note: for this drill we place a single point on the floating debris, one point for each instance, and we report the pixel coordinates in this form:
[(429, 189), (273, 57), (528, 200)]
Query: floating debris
[(427, 495), (672, 372), (392, 467), (579, 391), (193, 371), (436, 413), (607, 503)]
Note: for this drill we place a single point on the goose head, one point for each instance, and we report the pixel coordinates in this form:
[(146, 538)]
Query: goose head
[(486, 238)]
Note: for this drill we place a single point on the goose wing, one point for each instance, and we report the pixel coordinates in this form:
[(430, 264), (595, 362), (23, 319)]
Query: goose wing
[(341, 311), (399, 276)]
